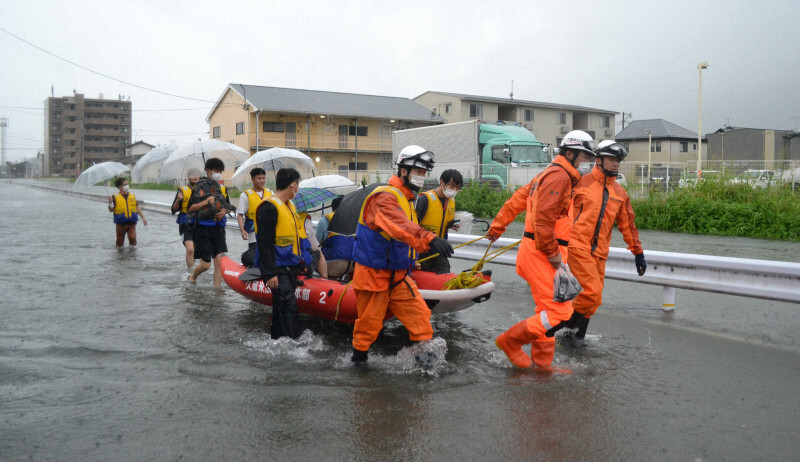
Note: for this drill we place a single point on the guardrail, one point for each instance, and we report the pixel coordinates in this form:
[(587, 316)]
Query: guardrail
[(769, 280)]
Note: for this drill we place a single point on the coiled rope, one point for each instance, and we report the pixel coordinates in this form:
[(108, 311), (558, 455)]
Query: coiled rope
[(469, 279)]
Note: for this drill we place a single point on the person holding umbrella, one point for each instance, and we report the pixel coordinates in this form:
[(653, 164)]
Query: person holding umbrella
[(210, 201), (126, 213), (185, 221)]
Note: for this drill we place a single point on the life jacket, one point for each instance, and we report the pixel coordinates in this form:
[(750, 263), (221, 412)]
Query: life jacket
[(253, 201), (209, 187), (378, 250), (438, 214), (291, 243), (125, 211), (184, 216)]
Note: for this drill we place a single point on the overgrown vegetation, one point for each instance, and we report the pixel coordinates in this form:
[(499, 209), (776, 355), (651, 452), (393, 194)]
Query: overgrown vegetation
[(482, 200), (715, 207)]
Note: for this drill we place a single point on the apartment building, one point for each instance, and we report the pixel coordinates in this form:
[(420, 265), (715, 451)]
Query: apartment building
[(79, 131), (339, 131), (548, 121), (741, 143)]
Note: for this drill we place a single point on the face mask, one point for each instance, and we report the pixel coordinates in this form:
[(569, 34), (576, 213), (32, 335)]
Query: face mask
[(450, 193), (216, 176), (126, 188), (417, 180), (584, 168)]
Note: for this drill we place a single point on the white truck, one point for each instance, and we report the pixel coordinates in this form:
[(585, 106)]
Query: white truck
[(503, 155)]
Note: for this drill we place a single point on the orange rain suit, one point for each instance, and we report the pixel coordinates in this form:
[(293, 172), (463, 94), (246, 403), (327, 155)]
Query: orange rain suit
[(547, 200), (380, 289), (598, 200)]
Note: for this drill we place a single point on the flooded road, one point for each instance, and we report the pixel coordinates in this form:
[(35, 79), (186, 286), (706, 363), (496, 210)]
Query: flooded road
[(111, 355)]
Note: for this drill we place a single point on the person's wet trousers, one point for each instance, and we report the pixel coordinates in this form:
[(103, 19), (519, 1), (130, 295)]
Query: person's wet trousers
[(284, 308)]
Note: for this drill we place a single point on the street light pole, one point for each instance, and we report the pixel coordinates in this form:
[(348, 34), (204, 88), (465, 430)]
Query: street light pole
[(700, 67)]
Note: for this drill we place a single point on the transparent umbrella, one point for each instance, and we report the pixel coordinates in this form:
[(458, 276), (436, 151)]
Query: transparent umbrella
[(334, 183), (273, 160), (308, 198), (195, 154), (99, 172), (148, 167)]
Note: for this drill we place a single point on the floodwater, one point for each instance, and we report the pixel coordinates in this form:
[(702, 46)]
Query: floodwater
[(111, 355)]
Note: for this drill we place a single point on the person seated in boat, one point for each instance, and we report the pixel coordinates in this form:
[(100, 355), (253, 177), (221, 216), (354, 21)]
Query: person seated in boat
[(388, 238), (322, 225), (185, 220), (436, 211), (283, 251), (249, 201), (318, 265), (126, 213)]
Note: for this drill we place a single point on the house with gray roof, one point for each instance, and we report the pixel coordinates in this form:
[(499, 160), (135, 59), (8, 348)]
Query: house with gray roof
[(548, 121), (668, 142), (339, 131)]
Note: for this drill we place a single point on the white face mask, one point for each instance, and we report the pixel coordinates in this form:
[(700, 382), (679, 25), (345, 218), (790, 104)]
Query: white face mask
[(216, 176), (584, 168), (450, 193), (417, 180), (126, 188)]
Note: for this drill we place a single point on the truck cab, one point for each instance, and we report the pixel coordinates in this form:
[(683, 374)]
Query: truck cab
[(507, 147)]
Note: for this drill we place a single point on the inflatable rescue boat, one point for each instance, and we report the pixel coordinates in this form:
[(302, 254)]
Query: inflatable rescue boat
[(336, 300)]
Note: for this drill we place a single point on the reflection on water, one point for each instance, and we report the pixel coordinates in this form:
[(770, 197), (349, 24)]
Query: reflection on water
[(110, 354)]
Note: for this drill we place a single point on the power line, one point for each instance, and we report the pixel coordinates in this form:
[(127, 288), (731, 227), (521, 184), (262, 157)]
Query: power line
[(101, 74)]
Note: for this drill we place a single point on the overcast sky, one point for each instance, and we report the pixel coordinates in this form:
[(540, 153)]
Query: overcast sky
[(638, 57)]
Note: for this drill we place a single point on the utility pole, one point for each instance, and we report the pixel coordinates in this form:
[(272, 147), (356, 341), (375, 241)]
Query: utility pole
[(3, 125), (626, 118)]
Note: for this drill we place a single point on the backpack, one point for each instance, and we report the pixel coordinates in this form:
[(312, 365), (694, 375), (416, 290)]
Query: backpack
[(208, 187)]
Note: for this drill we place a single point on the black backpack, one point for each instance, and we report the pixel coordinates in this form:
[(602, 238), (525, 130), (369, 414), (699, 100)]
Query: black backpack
[(208, 187)]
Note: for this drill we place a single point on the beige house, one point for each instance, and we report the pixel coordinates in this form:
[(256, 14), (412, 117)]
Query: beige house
[(668, 142), (339, 131), (549, 122)]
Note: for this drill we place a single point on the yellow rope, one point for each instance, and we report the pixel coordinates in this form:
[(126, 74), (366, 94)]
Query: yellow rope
[(471, 278)]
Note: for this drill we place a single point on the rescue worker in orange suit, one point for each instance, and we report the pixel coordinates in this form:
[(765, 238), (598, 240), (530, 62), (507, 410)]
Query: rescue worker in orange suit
[(436, 210), (283, 251), (388, 239), (597, 202), (546, 199)]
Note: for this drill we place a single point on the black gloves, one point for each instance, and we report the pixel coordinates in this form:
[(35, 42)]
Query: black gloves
[(641, 265), (442, 247)]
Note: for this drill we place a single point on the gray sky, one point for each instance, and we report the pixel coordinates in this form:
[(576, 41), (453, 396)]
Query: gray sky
[(638, 57)]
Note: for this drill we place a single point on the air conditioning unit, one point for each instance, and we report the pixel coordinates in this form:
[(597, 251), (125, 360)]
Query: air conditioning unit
[(565, 129), (528, 125), (609, 132)]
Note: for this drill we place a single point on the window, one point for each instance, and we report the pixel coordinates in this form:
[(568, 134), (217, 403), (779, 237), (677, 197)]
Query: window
[(562, 118), (605, 122), (273, 127), (447, 108), (694, 146), (476, 110), (528, 115), (362, 131), (216, 131), (658, 146), (239, 128), (684, 146)]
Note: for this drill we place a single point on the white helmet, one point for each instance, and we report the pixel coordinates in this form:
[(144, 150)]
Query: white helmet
[(611, 148), (416, 157), (578, 140)]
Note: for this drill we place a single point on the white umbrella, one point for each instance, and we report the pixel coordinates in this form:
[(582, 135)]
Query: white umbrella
[(336, 184), (99, 172), (148, 167), (275, 159), (195, 154)]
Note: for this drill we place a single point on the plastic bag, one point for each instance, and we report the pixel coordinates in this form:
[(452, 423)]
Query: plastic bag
[(565, 285), (467, 220)]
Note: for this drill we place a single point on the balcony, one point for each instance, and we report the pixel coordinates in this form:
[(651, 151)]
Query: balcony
[(330, 143)]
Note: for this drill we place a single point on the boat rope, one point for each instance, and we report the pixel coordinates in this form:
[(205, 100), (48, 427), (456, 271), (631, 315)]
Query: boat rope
[(473, 278), (339, 303)]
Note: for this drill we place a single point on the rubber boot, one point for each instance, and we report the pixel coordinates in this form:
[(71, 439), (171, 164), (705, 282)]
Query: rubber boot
[(542, 353), (582, 324), (511, 342), (359, 357)]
